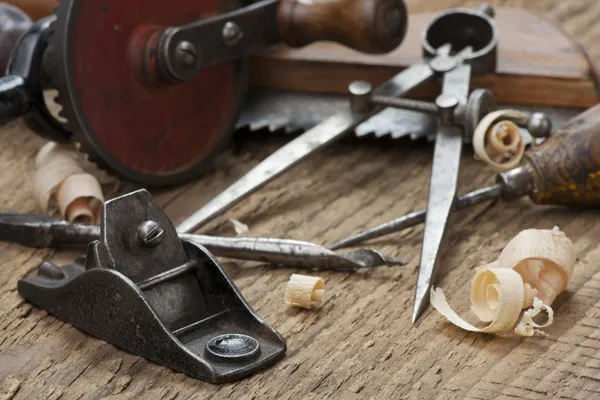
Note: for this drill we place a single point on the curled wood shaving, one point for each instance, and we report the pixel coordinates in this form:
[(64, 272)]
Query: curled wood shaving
[(531, 271), (79, 198), (495, 298), (304, 291), (50, 149), (498, 141), (61, 185), (527, 326), (544, 258)]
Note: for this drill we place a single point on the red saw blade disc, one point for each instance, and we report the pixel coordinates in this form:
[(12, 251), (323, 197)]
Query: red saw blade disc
[(123, 116)]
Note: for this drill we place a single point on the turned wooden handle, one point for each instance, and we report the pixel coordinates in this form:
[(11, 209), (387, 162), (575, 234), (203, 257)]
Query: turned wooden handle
[(567, 166), (369, 26)]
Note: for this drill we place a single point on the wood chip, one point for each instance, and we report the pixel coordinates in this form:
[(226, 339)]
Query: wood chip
[(305, 291), (498, 142), (531, 271), (239, 227), (79, 198), (61, 185)]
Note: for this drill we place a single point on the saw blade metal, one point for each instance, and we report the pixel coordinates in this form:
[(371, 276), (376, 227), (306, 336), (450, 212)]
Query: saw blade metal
[(292, 112)]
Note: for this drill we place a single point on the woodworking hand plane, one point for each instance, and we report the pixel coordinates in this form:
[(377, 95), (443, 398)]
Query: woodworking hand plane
[(145, 290), (151, 90)]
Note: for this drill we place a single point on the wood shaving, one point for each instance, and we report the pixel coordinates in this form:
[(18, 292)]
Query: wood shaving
[(532, 270), (62, 186), (49, 150), (239, 227), (497, 140), (79, 198), (544, 258), (304, 291)]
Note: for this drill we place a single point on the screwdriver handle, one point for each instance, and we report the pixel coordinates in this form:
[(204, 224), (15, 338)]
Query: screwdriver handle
[(369, 26), (566, 167)]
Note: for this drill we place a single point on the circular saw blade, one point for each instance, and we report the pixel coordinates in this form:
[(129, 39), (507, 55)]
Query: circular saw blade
[(149, 132)]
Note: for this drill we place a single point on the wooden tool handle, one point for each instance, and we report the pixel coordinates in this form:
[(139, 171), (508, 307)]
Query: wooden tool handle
[(369, 26), (566, 167)]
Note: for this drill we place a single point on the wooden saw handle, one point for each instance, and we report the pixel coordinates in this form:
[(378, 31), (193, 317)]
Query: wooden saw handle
[(566, 167), (369, 26)]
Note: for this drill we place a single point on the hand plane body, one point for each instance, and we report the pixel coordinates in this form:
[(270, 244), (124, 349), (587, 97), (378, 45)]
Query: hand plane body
[(150, 293)]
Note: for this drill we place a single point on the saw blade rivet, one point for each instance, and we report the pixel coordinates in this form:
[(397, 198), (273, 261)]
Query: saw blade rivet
[(442, 65), (232, 34), (446, 105), (360, 96), (150, 234), (186, 54)]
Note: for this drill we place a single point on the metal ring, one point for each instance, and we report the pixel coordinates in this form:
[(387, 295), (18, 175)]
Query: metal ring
[(461, 28)]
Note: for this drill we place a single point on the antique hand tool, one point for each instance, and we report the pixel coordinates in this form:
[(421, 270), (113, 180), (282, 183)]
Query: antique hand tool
[(455, 42), (164, 299), (48, 232), (151, 91), (294, 112), (563, 170)]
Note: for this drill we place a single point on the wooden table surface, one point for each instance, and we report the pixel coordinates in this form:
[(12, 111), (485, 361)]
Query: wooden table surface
[(361, 343)]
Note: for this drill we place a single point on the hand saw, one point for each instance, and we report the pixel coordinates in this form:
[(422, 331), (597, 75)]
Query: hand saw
[(456, 44), (151, 90)]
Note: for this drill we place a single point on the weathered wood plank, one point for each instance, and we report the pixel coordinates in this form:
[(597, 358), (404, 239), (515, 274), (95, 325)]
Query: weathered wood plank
[(361, 343), (538, 63)]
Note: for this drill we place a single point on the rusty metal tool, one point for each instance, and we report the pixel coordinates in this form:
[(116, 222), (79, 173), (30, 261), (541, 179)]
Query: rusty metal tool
[(291, 113), (449, 52), (475, 33), (456, 44), (563, 170), (47, 232), (161, 298), (152, 91)]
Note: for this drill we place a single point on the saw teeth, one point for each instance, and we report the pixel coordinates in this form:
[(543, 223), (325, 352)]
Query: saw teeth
[(58, 81)]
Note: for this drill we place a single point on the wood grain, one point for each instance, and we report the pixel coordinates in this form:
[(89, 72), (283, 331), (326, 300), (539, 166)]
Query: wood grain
[(537, 64), (361, 344)]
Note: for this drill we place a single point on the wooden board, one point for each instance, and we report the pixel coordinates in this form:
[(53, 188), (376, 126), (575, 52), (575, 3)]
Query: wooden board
[(537, 64), (361, 344)]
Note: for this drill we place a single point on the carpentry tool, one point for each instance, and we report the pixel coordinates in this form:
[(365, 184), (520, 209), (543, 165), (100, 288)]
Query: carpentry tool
[(454, 43), (563, 170), (294, 112), (150, 91), (157, 296), (48, 232)]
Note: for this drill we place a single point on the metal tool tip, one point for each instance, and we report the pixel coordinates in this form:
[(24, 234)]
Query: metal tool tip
[(421, 302), (340, 244)]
